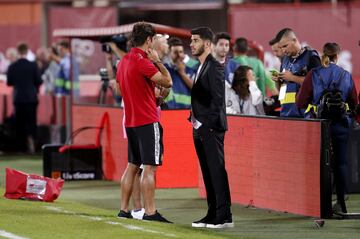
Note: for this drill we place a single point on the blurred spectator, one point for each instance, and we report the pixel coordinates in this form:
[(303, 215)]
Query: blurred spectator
[(278, 52), (221, 47), (4, 63), (161, 46), (24, 76), (30, 55), (111, 51), (182, 76), (263, 80), (52, 71), (5, 60), (68, 69), (113, 54), (42, 59), (244, 97), (12, 54), (220, 51), (297, 62)]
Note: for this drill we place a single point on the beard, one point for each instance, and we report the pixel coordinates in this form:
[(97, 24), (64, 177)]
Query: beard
[(200, 51)]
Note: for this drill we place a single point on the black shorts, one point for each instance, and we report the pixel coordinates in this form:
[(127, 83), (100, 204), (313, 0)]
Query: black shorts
[(145, 144)]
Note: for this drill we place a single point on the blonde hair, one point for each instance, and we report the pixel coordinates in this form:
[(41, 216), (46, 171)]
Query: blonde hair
[(330, 53)]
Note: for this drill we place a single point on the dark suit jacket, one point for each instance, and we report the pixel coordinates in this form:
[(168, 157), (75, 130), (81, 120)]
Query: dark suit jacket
[(208, 95), (25, 77)]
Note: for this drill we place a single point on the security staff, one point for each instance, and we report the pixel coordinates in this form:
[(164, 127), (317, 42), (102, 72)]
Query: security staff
[(327, 77), (298, 61)]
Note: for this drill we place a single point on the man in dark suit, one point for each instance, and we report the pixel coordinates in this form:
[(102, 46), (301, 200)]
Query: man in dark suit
[(208, 118), (24, 76)]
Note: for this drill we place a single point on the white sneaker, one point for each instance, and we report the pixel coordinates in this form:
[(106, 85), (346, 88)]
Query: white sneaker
[(217, 224), (220, 225), (138, 214)]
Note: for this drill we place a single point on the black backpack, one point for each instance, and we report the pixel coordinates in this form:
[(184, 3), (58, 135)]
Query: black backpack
[(331, 105)]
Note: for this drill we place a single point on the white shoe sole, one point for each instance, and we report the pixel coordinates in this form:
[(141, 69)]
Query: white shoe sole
[(219, 226), (198, 225)]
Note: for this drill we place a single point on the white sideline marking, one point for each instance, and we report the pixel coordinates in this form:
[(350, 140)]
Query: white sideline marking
[(51, 208), (10, 235), (129, 227), (92, 218), (136, 228)]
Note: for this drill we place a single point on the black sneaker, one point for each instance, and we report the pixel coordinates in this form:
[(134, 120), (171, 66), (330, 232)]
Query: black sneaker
[(123, 214), (156, 217), (217, 223), (202, 222), (339, 208)]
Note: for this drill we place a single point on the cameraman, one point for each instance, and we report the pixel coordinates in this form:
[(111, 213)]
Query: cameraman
[(115, 46)]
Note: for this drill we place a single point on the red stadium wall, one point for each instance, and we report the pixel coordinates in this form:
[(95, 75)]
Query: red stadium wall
[(87, 17), (274, 164), (314, 24), (180, 166), (19, 22)]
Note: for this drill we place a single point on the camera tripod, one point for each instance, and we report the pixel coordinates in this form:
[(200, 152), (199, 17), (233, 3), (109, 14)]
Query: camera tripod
[(104, 86)]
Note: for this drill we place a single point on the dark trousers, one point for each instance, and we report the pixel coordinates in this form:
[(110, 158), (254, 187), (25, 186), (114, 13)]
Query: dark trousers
[(25, 118), (339, 140), (209, 147)]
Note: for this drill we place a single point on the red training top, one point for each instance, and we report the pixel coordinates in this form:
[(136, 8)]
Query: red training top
[(138, 91)]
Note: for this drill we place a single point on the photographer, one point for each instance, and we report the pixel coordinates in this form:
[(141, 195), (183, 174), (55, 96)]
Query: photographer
[(113, 46)]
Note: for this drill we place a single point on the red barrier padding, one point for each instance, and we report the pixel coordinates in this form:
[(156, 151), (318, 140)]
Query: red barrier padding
[(31, 186), (104, 120), (274, 164), (180, 164)]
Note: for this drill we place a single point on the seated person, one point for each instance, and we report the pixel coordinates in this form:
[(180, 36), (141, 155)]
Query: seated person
[(244, 98)]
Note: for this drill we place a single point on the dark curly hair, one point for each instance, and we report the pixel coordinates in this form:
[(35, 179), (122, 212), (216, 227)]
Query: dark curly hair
[(221, 35), (205, 33), (240, 82)]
